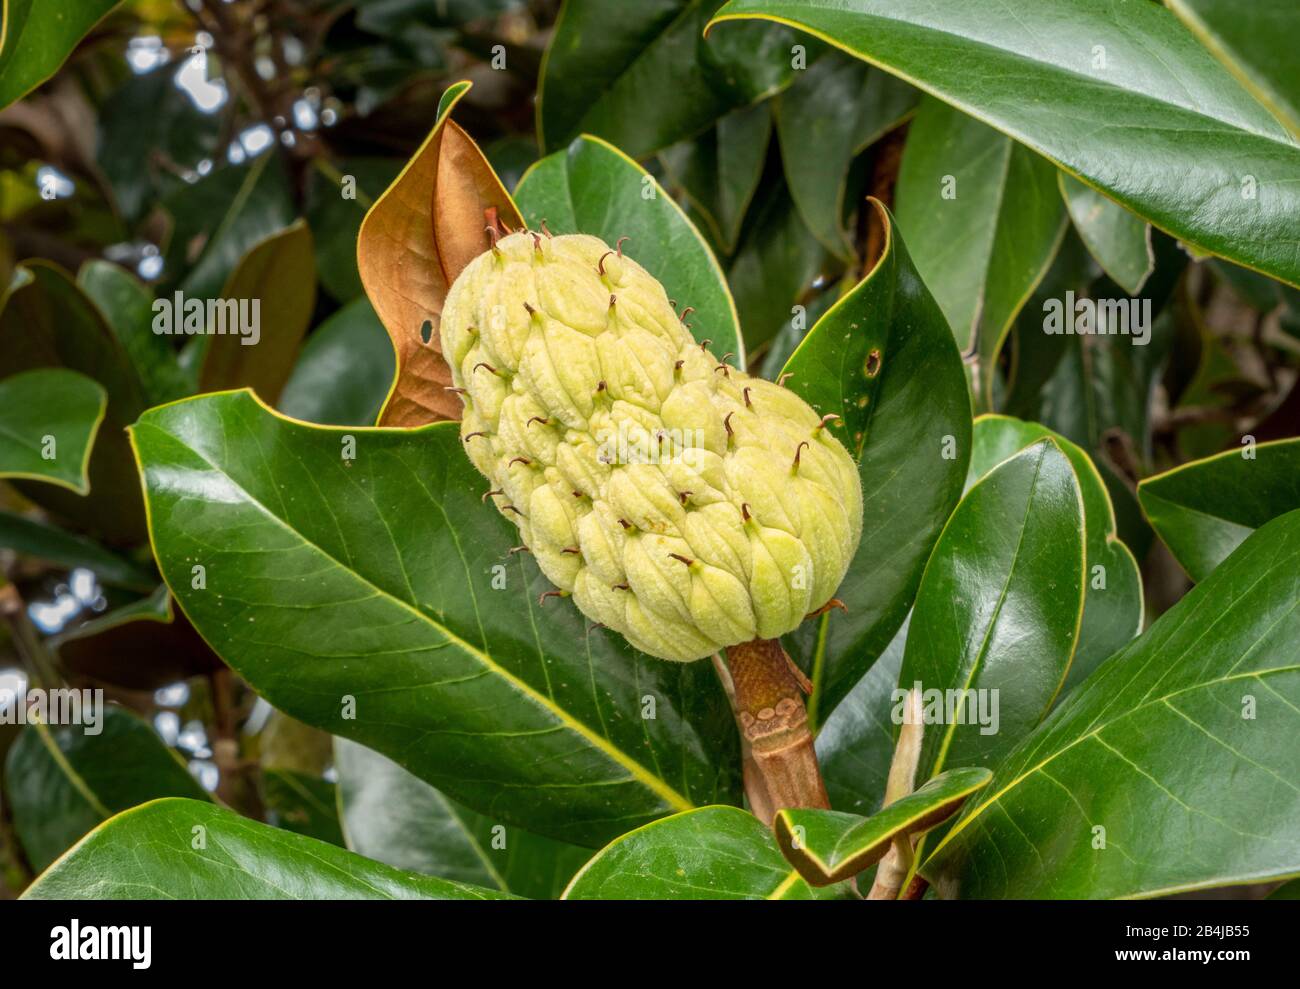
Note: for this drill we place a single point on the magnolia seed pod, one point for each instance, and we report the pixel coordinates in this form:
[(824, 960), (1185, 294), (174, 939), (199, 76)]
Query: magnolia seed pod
[(679, 501)]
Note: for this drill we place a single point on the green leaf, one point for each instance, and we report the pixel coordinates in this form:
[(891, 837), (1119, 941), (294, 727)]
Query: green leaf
[(997, 615), (186, 850), (48, 422), (1287, 891), (344, 371), (143, 645), (228, 213), (396, 818), (62, 780), (1119, 240), (593, 188), (829, 847), (983, 219), (1171, 768), (36, 37), (713, 853), (302, 803), (277, 280), (1205, 509), (47, 322), (832, 112), (1136, 108), (607, 65), (1113, 602), (364, 595), (336, 218), (719, 171), (777, 262), (43, 541), (1255, 42), (790, 335), (127, 307), (856, 744), (1107, 381), (883, 360), (1035, 355)]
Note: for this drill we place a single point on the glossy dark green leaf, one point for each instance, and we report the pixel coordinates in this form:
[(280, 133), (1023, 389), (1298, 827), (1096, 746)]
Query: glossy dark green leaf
[(856, 743), (349, 577), (884, 361), (47, 322), (48, 421), (1256, 43), (303, 804), (714, 853), (225, 215), (127, 307), (998, 611), (344, 371), (1118, 94), (983, 219), (593, 188), (396, 818), (608, 65), (1171, 768), (719, 171), (1118, 239), (829, 114), (186, 850), (1113, 603), (62, 781), (1204, 510), (141, 646), (827, 846), (278, 277), (36, 37), (43, 541)]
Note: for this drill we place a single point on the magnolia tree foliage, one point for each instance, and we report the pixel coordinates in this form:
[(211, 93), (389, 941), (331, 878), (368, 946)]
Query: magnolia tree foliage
[(785, 450)]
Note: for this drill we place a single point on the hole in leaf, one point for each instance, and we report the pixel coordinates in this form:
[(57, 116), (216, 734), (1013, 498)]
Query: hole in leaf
[(426, 330), (873, 363)]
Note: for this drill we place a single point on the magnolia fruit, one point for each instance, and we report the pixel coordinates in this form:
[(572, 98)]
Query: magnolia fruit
[(679, 501)]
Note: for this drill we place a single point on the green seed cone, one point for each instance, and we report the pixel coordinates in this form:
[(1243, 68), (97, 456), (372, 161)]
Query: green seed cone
[(681, 502)]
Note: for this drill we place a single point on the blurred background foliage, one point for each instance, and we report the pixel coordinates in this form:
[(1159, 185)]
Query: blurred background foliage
[(221, 148)]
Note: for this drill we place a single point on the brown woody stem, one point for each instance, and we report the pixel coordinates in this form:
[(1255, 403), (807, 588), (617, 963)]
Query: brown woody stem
[(780, 763)]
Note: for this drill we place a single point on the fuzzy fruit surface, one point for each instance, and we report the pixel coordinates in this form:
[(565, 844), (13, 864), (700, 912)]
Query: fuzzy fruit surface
[(679, 501)]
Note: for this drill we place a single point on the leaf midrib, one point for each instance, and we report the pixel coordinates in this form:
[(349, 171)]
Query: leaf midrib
[(65, 765), (635, 769)]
